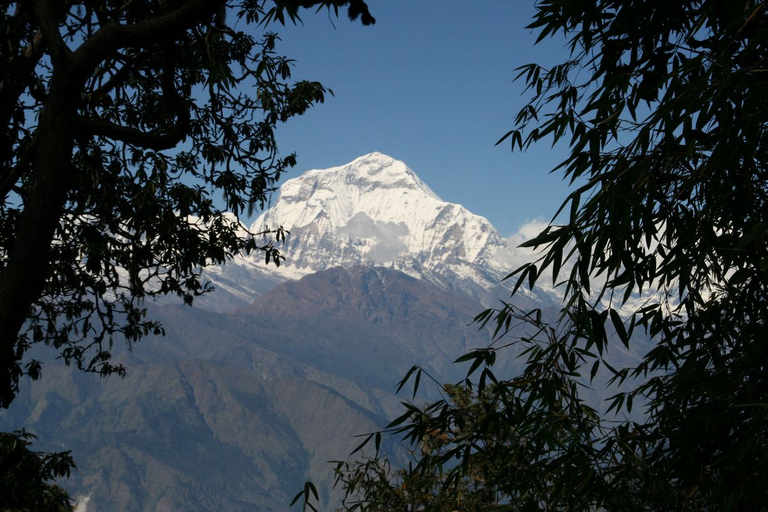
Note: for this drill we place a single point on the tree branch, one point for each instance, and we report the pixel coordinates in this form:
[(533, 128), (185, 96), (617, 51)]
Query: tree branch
[(114, 35), (9, 181), (151, 140), (45, 14), (118, 78)]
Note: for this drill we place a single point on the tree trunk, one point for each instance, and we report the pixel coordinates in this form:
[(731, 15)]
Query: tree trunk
[(22, 281)]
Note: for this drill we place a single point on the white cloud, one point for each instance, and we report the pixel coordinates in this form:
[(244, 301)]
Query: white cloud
[(527, 231), (388, 236), (515, 256)]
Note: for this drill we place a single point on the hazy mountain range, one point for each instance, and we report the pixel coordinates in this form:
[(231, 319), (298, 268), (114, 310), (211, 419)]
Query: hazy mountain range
[(255, 388)]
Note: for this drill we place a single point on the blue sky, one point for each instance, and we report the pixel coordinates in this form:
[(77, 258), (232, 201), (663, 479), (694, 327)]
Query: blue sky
[(430, 84)]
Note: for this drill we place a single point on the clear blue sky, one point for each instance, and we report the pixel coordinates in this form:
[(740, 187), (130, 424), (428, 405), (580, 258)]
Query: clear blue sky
[(430, 84)]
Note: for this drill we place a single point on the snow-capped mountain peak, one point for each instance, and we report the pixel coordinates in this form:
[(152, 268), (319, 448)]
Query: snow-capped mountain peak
[(375, 210), (374, 170), (372, 211), (372, 185)]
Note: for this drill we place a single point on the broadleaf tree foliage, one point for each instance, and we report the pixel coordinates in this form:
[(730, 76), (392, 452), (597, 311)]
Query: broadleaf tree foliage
[(27, 477), (663, 238), (128, 129)]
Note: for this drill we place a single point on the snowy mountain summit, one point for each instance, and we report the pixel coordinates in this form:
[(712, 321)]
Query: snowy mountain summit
[(373, 211), (376, 211)]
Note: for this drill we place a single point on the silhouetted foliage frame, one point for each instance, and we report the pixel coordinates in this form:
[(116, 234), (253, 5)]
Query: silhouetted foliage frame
[(663, 239)]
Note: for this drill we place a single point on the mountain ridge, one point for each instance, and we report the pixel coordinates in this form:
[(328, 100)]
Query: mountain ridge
[(235, 411)]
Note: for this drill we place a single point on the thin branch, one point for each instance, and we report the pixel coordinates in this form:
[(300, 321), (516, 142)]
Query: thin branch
[(151, 140), (9, 182), (118, 78)]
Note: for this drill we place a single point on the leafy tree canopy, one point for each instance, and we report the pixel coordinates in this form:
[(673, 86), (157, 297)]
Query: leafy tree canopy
[(26, 477), (119, 120), (372, 484), (663, 106)]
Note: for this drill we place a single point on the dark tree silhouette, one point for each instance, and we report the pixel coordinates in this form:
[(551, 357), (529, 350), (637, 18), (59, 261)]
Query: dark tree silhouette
[(663, 239)]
